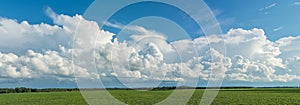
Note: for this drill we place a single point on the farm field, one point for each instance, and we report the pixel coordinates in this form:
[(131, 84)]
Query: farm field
[(131, 97)]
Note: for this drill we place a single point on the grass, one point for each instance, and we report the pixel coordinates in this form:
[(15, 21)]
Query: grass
[(45, 98), (134, 97), (259, 96), (131, 97)]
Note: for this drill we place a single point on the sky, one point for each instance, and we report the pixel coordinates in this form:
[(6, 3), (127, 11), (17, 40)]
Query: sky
[(148, 44)]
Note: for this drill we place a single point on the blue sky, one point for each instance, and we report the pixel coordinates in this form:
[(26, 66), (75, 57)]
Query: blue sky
[(249, 14), (34, 11), (257, 33), (280, 20)]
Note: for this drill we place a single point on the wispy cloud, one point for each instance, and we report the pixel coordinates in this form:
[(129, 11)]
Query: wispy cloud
[(268, 7), (264, 9), (277, 28), (49, 12), (296, 3)]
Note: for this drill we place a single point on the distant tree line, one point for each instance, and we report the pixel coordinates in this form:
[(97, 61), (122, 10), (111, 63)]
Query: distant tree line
[(24, 90), (164, 88), (146, 88)]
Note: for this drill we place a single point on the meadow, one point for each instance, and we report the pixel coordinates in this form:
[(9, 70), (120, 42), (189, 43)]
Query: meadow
[(132, 97)]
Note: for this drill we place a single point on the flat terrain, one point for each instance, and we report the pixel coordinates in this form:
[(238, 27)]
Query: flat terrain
[(44, 98), (225, 96)]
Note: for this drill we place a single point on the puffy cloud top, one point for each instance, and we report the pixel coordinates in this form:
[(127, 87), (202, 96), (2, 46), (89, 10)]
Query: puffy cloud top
[(45, 51)]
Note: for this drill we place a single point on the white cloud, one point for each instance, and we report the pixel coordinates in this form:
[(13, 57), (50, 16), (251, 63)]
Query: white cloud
[(295, 4), (289, 47), (250, 57), (41, 50), (17, 37), (277, 29), (268, 7), (44, 51), (264, 9), (36, 65)]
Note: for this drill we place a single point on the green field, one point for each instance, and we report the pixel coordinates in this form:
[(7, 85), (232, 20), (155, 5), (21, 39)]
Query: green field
[(225, 96)]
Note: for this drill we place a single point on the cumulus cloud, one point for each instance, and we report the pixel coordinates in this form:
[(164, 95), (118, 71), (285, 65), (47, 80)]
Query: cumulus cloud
[(33, 51), (250, 57), (37, 65), (253, 57), (45, 51), (288, 46), (18, 37)]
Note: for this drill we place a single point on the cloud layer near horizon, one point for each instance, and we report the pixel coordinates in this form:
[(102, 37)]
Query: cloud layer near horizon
[(44, 51)]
